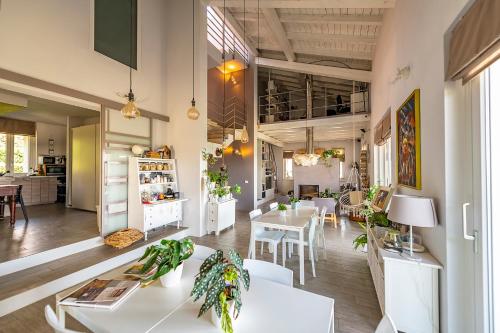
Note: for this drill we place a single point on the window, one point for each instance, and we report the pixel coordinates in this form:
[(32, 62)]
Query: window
[(3, 152), (15, 153), (287, 168), (21, 153), (383, 164), (215, 28)]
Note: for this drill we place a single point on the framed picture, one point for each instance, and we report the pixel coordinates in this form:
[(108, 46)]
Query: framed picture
[(408, 142), (382, 198)]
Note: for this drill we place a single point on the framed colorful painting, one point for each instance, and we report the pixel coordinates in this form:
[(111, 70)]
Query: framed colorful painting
[(408, 142)]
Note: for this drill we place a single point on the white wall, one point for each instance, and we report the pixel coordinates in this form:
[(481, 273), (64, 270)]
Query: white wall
[(187, 137), (44, 132), (53, 43), (413, 34), (325, 173)]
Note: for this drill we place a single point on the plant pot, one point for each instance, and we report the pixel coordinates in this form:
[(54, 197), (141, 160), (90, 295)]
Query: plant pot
[(216, 320), (282, 212), (172, 278), (295, 205)]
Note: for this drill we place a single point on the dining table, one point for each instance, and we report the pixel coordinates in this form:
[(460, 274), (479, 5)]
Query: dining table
[(10, 192), (296, 219), (267, 307)]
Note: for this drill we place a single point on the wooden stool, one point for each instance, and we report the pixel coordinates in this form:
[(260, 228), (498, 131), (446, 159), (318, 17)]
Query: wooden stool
[(18, 200)]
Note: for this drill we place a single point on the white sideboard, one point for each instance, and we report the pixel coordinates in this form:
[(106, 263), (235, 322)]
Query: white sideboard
[(407, 290), (221, 215), (142, 183)]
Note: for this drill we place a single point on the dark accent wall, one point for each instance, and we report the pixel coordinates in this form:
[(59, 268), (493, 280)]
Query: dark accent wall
[(241, 168), (115, 30)]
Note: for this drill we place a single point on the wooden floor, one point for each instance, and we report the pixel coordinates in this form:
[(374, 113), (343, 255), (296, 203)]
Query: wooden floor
[(343, 275), (49, 226), (15, 283)]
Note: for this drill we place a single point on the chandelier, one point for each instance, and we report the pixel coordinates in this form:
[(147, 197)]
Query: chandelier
[(309, 158)]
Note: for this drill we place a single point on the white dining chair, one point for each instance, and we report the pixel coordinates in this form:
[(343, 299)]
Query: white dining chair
[(202, 252), (52, 320), (386, 325), (272, 237), (293, 238), (321, 230), (307, 203), (268, 271), (273, 206)]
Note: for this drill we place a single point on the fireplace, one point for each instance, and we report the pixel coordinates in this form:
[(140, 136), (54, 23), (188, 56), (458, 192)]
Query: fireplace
[(307, 192)]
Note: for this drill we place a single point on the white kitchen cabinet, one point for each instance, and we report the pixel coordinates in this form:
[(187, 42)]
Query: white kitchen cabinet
[(221, 215), (407, 290)]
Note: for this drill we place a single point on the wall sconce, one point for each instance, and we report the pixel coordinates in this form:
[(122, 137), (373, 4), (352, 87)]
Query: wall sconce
[(237, 152)]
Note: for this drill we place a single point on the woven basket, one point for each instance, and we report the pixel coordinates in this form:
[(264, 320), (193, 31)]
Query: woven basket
[(123, 238)]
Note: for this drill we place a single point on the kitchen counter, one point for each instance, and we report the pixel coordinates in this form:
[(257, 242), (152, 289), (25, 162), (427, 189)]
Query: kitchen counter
[(36, 189)]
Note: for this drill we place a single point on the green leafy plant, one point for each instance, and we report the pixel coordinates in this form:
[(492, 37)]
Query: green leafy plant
[(329, 194), (380, 219), (294, 200), (235, 189), (209, 157), (282, 207), (166, 256), (219, 279), (360, 241)]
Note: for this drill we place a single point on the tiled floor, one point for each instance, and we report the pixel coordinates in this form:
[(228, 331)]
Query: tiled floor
[(343, 275)]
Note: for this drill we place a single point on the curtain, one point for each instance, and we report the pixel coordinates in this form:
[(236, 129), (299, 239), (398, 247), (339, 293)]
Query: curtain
[(475, 41), (20, 127), (383, 129)]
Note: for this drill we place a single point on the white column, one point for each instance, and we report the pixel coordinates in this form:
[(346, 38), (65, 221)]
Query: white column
[(188, 137)]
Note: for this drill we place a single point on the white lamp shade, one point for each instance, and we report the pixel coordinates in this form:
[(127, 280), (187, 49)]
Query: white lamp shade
[(414, 211)]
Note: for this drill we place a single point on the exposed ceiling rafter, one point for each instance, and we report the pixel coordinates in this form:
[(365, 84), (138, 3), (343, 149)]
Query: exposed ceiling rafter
[(374, 20), (278, 32), (307, 3)]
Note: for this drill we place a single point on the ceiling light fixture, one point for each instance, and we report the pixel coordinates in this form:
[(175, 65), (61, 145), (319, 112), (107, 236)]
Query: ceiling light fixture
[(193, 112), (309, 158), (130, 110)]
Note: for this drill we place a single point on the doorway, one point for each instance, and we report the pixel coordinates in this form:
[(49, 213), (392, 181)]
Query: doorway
[(40, 150)]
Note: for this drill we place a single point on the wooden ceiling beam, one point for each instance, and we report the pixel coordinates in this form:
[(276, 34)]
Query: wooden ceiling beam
[(278, 32), (332, 37), (321, 4), (374, 20), (329, 71)]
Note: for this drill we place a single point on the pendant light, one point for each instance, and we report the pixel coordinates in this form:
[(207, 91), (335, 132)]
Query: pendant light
[(130, 110), (193, 112), (223, 86), (244, 133)]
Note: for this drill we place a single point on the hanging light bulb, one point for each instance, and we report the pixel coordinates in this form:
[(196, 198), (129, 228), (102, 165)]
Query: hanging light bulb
[(193, 112), (244, 134), (130, 110)]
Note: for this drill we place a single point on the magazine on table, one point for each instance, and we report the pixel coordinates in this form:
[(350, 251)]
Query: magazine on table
[(101, 293), (136, 271)]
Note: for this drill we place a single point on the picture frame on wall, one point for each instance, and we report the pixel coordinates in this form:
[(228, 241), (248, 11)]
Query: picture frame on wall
[(408, 168)]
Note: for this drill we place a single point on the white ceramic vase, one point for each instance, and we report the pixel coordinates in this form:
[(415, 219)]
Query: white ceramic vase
[(282, 212), (172, 278), (216, 320)]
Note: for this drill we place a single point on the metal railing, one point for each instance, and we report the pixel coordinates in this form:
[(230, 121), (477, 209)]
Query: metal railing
[(292, 105), (234, 116)]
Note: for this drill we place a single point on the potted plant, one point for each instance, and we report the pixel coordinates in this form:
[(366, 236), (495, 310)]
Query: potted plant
[(282, 209), (168, 257), (220, 279), (294, 202), (219, 190)]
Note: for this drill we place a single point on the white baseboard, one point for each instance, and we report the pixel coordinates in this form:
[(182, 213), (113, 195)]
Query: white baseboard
[(31, 296), (19, 264)]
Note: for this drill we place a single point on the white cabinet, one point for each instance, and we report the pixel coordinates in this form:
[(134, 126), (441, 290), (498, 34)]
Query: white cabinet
[(147, 180), (407, 290), (221, 215)]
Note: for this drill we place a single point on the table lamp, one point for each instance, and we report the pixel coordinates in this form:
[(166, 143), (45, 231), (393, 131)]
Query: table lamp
[(412, 211)]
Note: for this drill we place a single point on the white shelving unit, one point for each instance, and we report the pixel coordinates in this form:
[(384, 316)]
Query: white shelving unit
[(157, 212)]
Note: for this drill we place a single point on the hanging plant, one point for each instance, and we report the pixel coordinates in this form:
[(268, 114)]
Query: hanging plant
[(209, 157)]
